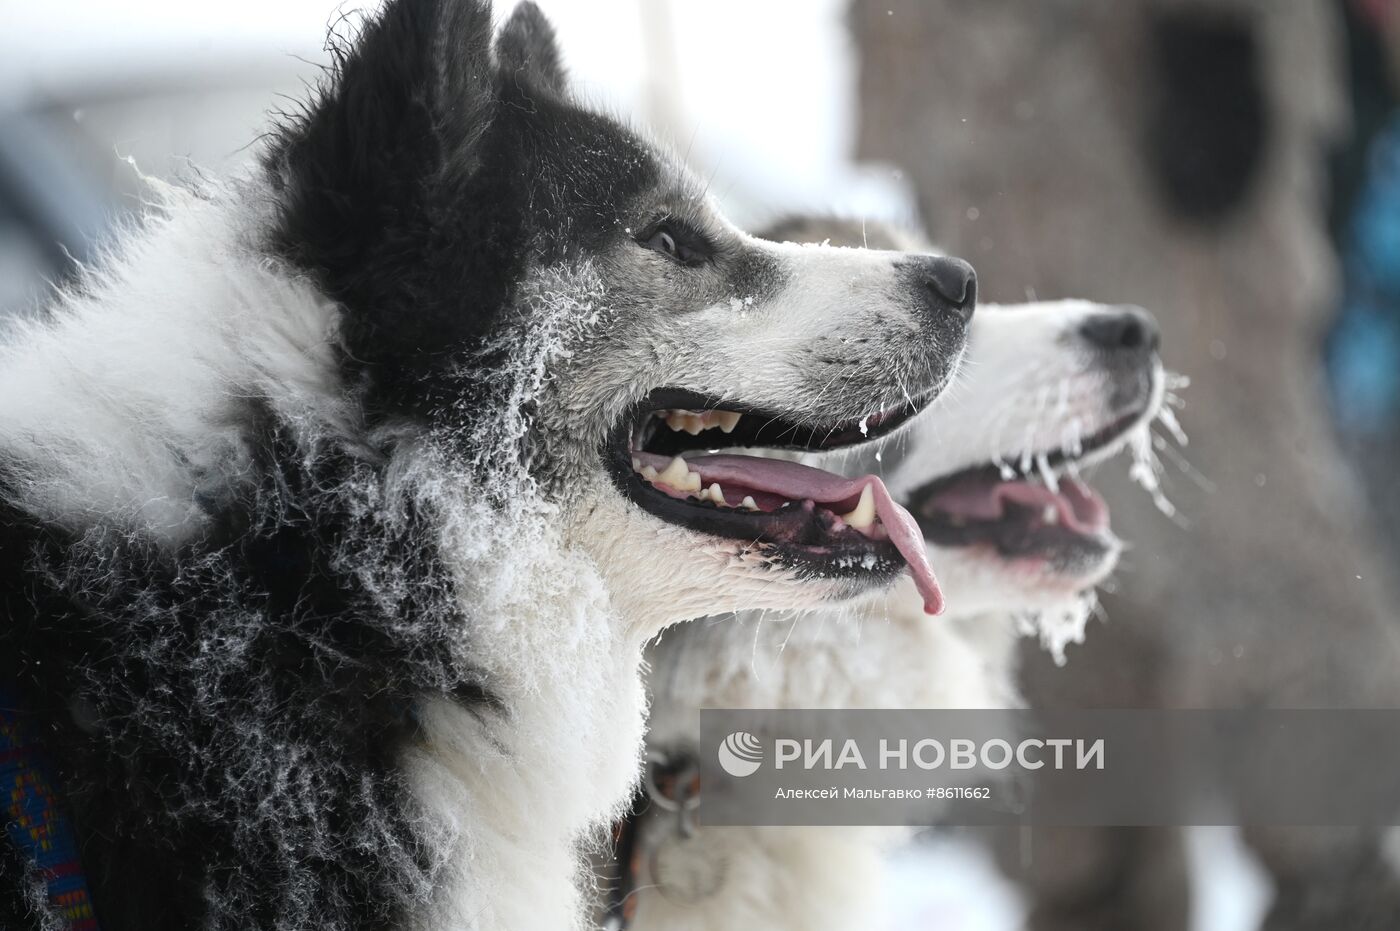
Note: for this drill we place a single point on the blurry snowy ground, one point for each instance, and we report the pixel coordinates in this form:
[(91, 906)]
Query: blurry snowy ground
[(757, 95)]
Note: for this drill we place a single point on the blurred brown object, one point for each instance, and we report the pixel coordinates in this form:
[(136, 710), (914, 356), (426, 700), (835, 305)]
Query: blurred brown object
[(1170, 153)]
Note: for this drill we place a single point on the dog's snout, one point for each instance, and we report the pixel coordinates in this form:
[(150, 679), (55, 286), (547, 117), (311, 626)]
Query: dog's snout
[(949, 285), (1125, 332)]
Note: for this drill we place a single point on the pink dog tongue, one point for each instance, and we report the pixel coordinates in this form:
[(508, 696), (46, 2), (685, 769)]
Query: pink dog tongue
[(798, 482)]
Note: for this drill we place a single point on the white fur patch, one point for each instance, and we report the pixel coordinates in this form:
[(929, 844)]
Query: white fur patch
[(124, 403)]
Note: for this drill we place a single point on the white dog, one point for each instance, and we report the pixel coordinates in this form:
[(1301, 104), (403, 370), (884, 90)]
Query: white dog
[(991, 472)]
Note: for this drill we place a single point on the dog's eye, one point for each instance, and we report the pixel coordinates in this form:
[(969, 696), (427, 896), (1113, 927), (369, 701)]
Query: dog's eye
[(678, 243)]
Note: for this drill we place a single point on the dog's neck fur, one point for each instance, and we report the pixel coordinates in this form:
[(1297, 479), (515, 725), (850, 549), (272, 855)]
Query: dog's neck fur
[(883, 653), (519, 794)]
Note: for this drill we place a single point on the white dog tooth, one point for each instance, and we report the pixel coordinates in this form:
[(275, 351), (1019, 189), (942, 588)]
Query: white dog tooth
[(679, 477), (636, 464), (727, 420), (649, 473), (1051, 514), (748, 503), (694, 423), (674, 474), (716, 493), (864, 514)]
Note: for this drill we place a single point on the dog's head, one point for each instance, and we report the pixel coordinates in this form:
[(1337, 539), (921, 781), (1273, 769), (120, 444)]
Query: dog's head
[(496, 246), (993, 472)]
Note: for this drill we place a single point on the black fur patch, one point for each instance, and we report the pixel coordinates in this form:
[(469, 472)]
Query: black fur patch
[(1207, 112), (225, 724)]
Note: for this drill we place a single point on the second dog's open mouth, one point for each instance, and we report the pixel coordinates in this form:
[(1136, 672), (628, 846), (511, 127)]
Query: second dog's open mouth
[(1022, 518), (667, 458), (1038, 512)]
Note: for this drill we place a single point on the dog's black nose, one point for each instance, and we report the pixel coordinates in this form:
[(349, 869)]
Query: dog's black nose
[(950, 284), (1127, 331)]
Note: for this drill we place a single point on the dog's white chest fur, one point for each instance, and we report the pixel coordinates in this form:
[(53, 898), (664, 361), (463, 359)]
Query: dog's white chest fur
[(517, 794)]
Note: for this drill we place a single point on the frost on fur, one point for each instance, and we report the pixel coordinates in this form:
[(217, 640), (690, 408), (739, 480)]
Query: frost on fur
[(1146, 468), (1059, 626)]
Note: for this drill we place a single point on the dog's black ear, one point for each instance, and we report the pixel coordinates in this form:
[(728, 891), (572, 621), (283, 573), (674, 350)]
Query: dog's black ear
[(410, 93), (374, 172), (528, 51)]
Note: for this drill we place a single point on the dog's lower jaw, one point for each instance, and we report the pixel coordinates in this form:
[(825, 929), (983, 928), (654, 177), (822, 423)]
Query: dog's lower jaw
[(659, 574), (983, 582)]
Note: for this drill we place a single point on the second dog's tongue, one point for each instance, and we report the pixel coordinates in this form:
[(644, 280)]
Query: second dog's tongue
[(798, 482)]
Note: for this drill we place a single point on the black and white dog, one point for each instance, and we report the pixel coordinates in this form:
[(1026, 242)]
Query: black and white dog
[(336, 506)]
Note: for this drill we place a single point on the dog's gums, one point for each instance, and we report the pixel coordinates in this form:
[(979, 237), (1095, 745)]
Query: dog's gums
[(826, 523)]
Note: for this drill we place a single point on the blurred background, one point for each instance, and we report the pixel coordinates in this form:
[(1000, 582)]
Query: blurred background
[(1232, 165)]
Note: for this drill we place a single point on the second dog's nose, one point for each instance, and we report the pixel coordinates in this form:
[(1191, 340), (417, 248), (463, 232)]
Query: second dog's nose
[(1126, 331), (953, 283)]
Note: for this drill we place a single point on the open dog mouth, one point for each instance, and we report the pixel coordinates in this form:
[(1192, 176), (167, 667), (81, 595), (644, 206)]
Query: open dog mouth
[(1030, 510), (666, 456)]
